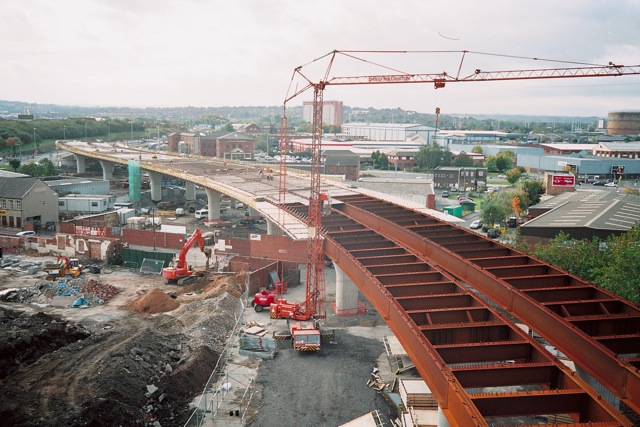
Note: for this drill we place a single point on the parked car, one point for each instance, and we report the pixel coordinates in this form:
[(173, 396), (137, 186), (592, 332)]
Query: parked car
[(493, 233), (26, 233), (598, 183), (502, 176), (462, 200), (475, 224), (445, 193), (610, 184)]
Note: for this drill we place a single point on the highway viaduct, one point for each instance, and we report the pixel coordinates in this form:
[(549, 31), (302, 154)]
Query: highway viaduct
[(452, 297)]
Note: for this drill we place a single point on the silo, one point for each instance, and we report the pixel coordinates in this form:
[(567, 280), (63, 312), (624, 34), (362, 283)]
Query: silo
[(624, 123)]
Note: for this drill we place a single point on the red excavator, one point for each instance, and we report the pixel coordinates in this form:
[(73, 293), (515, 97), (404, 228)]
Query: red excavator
[(180, 272)]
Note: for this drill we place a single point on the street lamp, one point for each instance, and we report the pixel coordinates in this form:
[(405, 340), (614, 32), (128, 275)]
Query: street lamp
[(64, 133), (131, 131), (34, 139), (85, 131)]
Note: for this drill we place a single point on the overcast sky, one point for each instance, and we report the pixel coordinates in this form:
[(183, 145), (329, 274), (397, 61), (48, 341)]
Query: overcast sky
[(213, 53)]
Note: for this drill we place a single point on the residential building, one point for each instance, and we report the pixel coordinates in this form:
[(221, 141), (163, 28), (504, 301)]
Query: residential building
[(446, 177), (27, 202)]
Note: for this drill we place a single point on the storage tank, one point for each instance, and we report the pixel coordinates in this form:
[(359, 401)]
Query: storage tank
[(624, 123)]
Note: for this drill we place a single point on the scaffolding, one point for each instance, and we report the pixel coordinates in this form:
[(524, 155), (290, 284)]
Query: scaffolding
[(134, 180)]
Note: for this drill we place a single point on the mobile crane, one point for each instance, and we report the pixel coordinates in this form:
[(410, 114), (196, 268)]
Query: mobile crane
[(180, 272), (314, 303)]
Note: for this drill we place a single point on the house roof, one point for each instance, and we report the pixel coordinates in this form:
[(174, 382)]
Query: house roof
[(16, 188)]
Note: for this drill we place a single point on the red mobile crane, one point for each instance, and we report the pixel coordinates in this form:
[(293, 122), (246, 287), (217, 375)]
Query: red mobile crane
[(314, 303), (180, 273)]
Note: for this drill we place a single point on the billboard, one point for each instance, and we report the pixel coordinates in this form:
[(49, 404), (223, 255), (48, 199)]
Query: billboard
[(563, 180), (617, 169)]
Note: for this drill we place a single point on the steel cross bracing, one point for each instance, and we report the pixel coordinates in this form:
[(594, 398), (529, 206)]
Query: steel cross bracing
[(482, 369), (596, 329)]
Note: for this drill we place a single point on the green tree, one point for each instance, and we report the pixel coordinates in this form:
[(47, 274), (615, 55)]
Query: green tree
[(620, 270), (477, 149), (15, 164), (496, 208), (532, 190), (432, 156), (513, 175), (44, 168), (383, 161), (463, 160), (580, 257)]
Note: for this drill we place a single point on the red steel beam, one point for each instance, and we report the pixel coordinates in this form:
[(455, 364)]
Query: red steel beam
[(618, 376)]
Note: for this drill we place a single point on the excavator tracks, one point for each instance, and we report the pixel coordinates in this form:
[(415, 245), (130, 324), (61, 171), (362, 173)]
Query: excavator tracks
[(451, 296)]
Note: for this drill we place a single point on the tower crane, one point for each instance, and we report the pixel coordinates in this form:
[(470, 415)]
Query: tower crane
[(314, 303)]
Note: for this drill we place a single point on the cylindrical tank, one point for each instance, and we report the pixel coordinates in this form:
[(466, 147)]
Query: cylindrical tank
[(624, 123)]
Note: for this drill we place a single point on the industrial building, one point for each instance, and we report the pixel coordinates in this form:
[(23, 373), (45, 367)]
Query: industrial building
[(89, 203), (332, 112), (396, 132), (79, 186), (583, 215)]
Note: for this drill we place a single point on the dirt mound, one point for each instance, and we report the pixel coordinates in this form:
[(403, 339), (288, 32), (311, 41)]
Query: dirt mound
[(154, 301)]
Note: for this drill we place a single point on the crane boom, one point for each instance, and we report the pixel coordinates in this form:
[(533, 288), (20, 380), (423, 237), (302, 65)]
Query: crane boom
[(314, 304)]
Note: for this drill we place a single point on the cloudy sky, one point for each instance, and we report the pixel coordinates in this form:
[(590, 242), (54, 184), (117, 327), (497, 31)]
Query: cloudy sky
[(243, 52)]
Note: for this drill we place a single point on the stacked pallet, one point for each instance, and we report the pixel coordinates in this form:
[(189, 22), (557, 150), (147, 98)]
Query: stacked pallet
[(416, 394)]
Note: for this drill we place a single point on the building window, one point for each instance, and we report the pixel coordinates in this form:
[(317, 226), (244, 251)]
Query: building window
[(3, 204), (10, 204), (60, 203), (18, 204), (94, 204)]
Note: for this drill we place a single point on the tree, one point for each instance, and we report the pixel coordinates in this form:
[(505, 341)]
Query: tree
[(383, 161), (13, 142), (579, 257), (620, 270), (513, 175), (432, 156), (463, 160), (532, 190), (44, 168), (15, 164), (477, 149), (496, 208)]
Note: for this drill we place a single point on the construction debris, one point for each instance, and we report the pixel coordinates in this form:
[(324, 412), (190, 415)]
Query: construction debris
[(376, 383)]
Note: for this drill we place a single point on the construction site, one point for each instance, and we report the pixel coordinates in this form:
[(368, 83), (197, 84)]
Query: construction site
[(500, 337), (122, 348)]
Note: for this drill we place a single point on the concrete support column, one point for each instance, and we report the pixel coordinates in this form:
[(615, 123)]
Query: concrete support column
[(80, 163), (234, 204), (346, 293), (213, 203), (253, 212), (107, 170), (272, 228), (190, 190), (155, 179)]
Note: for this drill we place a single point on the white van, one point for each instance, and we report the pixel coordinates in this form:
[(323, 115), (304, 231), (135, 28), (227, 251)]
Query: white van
[(26, 233), (202, 213)]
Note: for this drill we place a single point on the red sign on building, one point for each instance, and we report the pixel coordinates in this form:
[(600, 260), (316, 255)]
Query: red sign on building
[(563, 180)]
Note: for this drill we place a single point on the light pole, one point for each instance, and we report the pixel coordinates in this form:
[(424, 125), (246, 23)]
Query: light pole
[(85, 131), (34, 139), (131, 131), (64, 133)]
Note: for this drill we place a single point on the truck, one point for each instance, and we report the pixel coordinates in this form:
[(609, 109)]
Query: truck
[(306, 336)]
